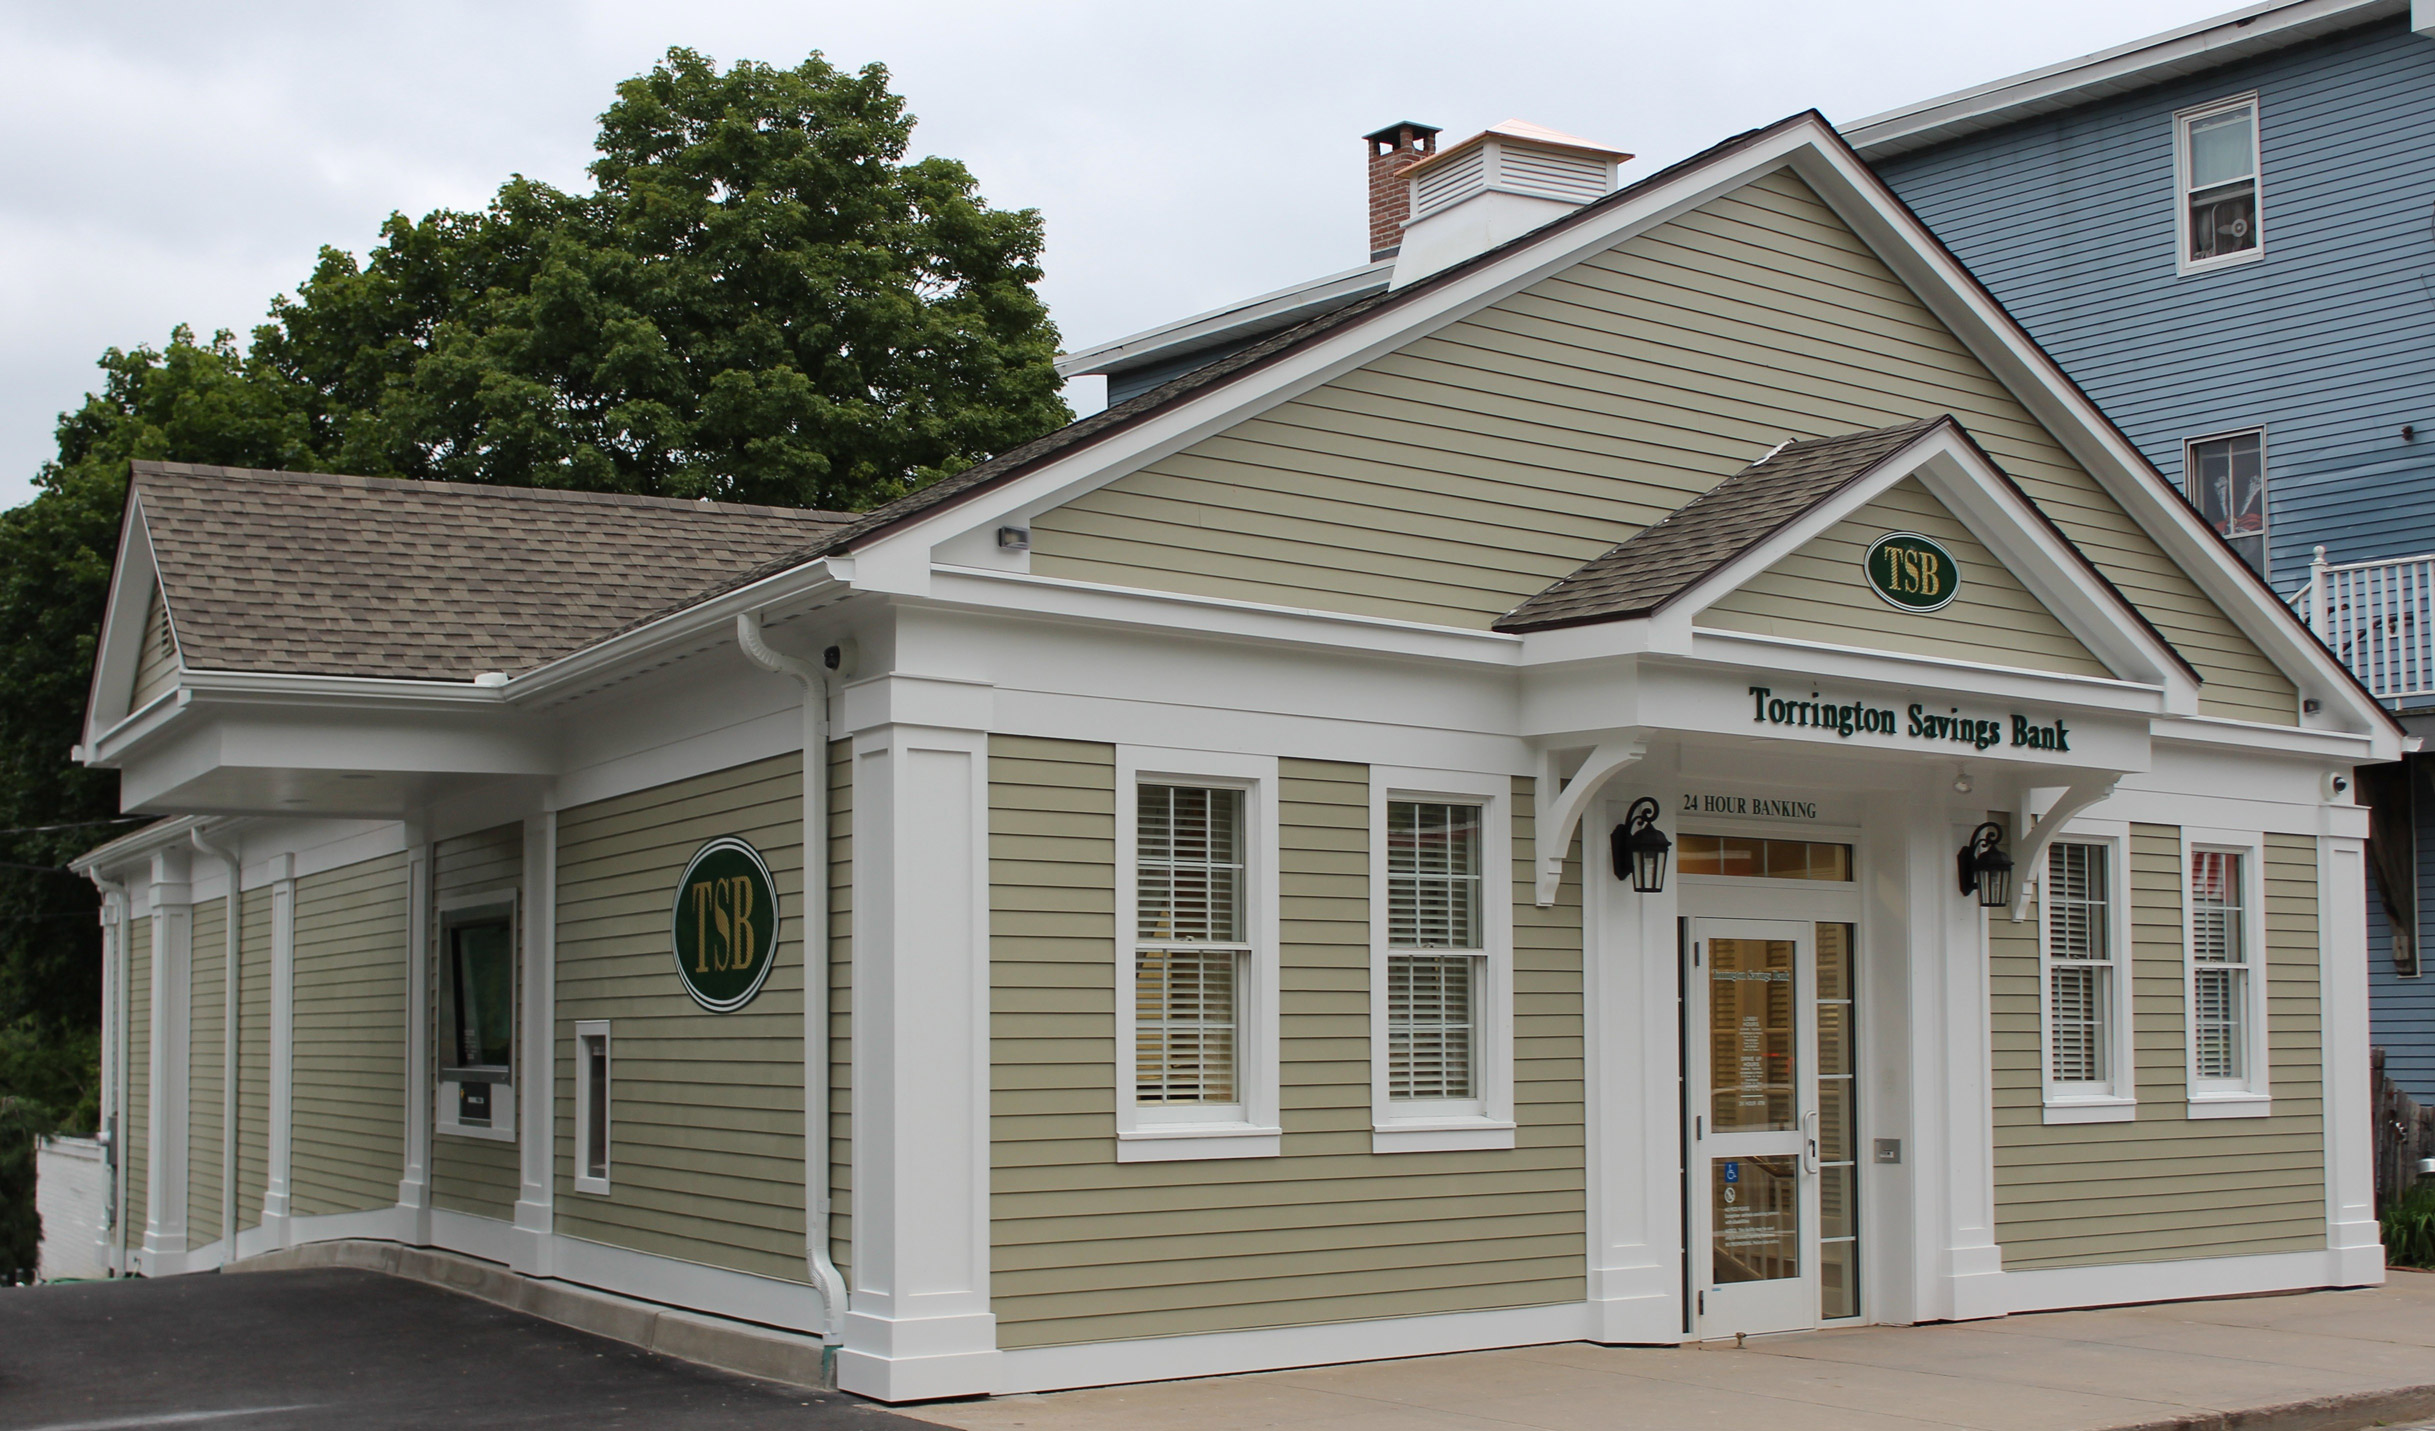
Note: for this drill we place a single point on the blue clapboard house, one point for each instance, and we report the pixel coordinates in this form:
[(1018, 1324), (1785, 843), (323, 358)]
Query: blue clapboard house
[(2226, 234)]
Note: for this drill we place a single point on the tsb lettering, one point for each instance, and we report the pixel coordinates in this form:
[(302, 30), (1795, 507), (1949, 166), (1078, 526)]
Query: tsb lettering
[(723, 936)]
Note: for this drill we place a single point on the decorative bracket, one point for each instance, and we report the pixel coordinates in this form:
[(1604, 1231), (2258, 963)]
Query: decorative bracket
[(2031, 861), (1559, 811)]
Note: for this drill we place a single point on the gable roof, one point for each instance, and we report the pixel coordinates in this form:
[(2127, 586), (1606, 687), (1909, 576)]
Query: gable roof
[(2190, 49), (315, 574), (1662, 561)]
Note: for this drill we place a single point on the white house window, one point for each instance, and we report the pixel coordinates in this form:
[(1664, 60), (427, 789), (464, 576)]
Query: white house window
[(2227, 484), (1189, 945), (477, 1026), (2218, 161), (2224, 988), (2080, 969), (592, 1106), (1433, 911)]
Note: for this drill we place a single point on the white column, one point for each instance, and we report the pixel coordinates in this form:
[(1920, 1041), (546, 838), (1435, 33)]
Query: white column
[(414, 1188), (276, 1199), (1631, 972), (2350, 1180), (536, 1110), (113, 1075), (918, 1322), (172, 901)]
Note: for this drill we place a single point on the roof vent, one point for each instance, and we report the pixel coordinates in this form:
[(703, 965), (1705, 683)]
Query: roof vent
[(1499, 184)]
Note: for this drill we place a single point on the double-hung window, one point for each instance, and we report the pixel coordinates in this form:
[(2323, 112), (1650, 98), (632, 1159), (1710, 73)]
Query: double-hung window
[(1441, 1009), (2216, 163), (2223, 987), (2226, 478), (2088, 1077), (1197, 952)]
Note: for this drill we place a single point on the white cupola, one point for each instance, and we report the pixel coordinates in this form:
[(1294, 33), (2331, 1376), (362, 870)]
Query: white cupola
[(1499, 184)]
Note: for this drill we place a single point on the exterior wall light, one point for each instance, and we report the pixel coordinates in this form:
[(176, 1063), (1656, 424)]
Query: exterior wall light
[(1640, 848), (1986, 870)]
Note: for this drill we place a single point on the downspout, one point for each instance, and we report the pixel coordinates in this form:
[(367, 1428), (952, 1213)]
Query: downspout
[(235, 920), (114, 1080), (816, 1171)]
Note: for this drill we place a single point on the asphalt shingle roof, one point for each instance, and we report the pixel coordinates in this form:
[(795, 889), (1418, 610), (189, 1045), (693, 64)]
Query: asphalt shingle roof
[(307, 573), (1662, 561)]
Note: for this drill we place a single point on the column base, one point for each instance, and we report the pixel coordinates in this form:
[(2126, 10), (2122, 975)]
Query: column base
[(918, 1359)]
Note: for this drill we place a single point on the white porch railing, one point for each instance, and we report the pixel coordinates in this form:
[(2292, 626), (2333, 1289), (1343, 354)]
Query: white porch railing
[(2379, 617)]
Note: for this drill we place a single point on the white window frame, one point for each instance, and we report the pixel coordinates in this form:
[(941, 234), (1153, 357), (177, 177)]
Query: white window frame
[(2265, 483), (2250, 1096), (1152, 1133), (585, 1182), (2116, 1100), (503, 1096), (2183, 264), (1487, 1121)]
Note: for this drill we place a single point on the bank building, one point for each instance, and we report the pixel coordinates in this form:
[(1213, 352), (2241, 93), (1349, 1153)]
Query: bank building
[(1640, 767)]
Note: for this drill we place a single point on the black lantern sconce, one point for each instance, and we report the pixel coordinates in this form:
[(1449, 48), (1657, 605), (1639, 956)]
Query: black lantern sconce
[(1641, 848), (1986, 870)]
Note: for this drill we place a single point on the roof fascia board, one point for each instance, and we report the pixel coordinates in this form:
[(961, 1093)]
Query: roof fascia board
[(139, 845), (118, 651), (1061, 598), (2341, 746), (2156, 59), (567, 674), (906, 549), (1994, 338), (1267, 311)]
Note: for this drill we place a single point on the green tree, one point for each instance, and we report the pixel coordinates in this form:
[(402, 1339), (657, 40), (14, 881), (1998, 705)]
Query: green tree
[(760, 301)]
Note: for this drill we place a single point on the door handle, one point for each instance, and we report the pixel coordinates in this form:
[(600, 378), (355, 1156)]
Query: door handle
[(1809, 1143)]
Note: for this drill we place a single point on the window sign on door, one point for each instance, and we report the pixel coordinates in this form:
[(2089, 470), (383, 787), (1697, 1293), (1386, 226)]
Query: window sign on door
[(1750, 1033), (1756, 1219)]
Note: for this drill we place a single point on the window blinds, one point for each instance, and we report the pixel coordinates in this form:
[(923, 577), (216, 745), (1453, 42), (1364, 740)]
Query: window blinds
[(1189, 943), (1433, 903), (2079, 962), (2218, 981)]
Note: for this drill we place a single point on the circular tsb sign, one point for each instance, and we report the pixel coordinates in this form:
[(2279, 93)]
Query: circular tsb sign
[(725, 925), (1912, 572)]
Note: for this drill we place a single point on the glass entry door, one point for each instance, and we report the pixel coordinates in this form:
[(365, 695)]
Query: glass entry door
[(1753, 1003)]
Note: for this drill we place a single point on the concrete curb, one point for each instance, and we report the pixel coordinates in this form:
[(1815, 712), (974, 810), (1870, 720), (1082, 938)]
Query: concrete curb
[(742, 1347), (2347, 1411)]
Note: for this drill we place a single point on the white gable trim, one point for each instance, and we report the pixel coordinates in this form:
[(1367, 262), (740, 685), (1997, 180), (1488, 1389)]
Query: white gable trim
[(1958, 475), (120, 649)]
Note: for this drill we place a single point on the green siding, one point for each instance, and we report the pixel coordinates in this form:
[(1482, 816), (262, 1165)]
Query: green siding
[(2164, 1186), (253, 1057), (1086, 1248), (1473, 467), (481, 1176), (1820, 593), (206, 1069), (350, 1040), (156, 666), (706, 1144), (136, 1121)]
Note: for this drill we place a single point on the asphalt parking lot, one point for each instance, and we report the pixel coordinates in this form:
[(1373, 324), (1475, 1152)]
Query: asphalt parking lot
[(288, 1351)]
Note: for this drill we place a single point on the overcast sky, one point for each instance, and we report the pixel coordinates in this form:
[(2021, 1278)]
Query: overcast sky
[(174, 162)]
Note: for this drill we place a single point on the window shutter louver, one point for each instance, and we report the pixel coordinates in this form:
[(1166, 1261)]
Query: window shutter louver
[(1433, 903), (1188, 967)]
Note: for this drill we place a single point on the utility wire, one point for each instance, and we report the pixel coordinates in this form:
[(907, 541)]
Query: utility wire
[(74, 825)]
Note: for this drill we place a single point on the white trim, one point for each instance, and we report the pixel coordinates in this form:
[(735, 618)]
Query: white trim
[(278, 1184), (2122, 1283), (2264, 483), (1265, 313), (171, 899), (1272, 1348), (1155, 1134), (585, 1180), (1486, 1120), (2350, 1145), (492, 1239), (696, 1286), (414, 1180), (2115, 1097), (537, 1035), (2251, 1095), (2183, 264)]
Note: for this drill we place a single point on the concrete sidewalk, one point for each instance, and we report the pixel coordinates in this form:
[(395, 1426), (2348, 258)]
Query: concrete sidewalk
[(2318, 1361)]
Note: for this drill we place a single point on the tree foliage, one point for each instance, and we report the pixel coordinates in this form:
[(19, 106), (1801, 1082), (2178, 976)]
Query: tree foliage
[(760, 300)]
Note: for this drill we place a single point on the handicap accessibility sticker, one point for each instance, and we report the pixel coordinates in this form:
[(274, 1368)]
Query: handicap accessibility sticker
[(1733, 1172)]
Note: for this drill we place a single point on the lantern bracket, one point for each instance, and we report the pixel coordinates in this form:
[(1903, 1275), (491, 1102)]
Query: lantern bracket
[(2032, 859)]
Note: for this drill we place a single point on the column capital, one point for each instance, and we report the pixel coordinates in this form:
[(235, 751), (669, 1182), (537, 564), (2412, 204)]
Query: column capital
[(938, 702)]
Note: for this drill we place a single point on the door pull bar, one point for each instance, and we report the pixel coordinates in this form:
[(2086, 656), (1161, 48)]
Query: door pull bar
[(1809, 1144)]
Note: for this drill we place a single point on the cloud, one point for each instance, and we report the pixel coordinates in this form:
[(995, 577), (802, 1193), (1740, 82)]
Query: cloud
[(180, 163)]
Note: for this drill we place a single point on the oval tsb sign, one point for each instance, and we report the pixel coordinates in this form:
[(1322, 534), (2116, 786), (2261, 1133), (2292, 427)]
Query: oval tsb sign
[(1912, 572), (725, 925)]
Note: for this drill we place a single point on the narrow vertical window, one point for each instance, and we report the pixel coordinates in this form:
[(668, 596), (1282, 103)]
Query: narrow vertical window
[(2219, 176), (2219, 968), (1190, 945), (1433, 905), (2080, 966), (592, 1106), (2226, 477)]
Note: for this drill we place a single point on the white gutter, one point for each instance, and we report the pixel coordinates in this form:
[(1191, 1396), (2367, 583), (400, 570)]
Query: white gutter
[(697, 622), (234, 906), (816, 1168)]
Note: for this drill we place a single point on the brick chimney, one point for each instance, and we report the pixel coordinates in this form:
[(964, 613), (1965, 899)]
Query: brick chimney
[(1391, 149)]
